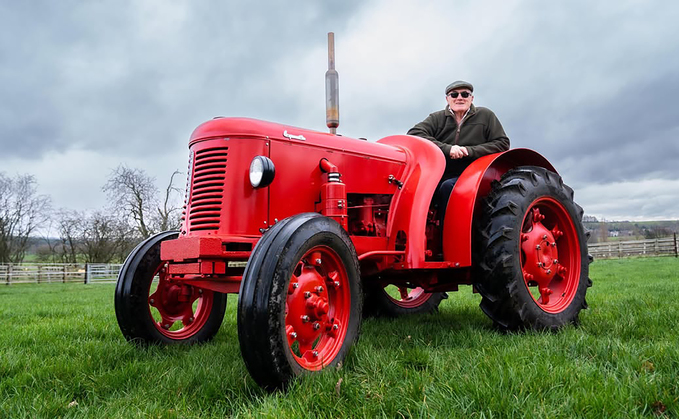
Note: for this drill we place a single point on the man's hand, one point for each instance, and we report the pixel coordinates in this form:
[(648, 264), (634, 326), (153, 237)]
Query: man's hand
[(457, 152)]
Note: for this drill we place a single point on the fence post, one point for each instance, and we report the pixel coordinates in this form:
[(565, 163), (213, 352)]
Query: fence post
[(87, 273), (9, 274), (63, 277), (619, 250), (675, 245)]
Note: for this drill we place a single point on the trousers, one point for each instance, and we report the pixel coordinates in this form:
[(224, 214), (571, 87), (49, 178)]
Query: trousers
[(442, 196)]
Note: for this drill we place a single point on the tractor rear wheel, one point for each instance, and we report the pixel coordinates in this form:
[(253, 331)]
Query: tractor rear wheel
[(152, 309), (384, 299), (533, 256), (299, 308)]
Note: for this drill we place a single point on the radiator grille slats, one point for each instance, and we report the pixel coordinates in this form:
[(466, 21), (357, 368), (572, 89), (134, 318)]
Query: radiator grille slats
[(207, 188)]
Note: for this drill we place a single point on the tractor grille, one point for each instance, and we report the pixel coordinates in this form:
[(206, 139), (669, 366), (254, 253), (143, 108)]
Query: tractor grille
[(207, 188)]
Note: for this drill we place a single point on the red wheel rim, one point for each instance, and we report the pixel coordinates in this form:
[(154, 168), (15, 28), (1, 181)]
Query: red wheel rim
[(406, 297), (178, 310), (317, 309), (550, 255)]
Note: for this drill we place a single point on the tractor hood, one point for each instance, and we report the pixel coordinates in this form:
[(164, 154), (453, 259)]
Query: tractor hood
[(254, 128)]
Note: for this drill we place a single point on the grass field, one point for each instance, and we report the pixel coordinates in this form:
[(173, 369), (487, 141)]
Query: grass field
[(62, 355)]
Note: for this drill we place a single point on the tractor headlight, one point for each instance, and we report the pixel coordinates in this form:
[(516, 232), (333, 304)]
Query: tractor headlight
[(262, 172)]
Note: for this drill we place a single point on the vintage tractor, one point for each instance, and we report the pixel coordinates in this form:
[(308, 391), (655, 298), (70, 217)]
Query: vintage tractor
[(301, 223)]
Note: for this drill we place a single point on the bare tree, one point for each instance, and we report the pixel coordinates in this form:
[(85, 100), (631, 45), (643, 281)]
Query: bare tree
[(70, 226), (134, 196), (97, 237), (100, 240), (657, 232), (167, 216), (48, 251), (22, 211)]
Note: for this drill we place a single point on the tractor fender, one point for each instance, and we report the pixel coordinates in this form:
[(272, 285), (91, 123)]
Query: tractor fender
[(465, 200), (425, 164)]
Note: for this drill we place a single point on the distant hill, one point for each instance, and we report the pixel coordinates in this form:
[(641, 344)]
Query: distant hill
[(602, 231)]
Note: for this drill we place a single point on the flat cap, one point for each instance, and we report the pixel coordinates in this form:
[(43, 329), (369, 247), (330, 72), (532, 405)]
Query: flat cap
[(459, 84)]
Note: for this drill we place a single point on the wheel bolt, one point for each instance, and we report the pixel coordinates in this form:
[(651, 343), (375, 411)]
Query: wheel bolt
[(539, 264), (191, 319), (295, 285), (293, 335), (555, 261), (554, 244), (336, 284), (305, 318), (318, 261), (315, 354), (319, 289), (152, 301), (335, 327), (307, 294), (316, 326), (537, 247), (200, 291), (166, 326), (549, 271)]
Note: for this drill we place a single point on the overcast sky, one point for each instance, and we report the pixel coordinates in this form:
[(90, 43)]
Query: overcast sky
[(593, 86)]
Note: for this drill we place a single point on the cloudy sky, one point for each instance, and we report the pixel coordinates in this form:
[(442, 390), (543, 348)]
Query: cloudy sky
[(593, 86)]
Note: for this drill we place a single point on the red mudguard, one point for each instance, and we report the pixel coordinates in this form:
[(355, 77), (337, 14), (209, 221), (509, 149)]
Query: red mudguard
[(470, 189), (425, 166)]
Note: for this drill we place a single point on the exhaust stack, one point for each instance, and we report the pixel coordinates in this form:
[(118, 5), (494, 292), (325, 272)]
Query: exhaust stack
[(331, 88)]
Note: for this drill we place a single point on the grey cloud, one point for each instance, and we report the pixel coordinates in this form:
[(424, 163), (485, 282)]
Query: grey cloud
[(95, 75), (593, 88), (589, 85)]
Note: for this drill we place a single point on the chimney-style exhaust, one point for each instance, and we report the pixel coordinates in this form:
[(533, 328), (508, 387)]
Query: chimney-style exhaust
[(331, 88)]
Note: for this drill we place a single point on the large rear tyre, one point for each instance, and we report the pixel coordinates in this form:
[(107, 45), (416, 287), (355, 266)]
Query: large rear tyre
[(152, 309), (384, 299), (533, 251), (299, 308)]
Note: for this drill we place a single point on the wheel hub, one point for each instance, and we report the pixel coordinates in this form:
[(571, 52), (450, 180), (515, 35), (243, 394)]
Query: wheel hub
[(541, 255), (311, 322), (307, 305), (174, 304)]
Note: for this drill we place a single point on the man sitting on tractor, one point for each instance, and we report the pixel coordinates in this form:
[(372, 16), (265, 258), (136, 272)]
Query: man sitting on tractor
[(464, 133)]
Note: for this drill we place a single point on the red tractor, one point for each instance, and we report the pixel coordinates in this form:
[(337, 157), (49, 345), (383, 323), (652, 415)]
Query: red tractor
[(302, 223)]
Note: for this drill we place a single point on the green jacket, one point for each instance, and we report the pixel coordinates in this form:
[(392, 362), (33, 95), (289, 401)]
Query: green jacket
[(480, 132)]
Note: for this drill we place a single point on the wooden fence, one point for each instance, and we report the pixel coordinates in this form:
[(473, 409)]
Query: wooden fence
[(37, 273), (652, 247)]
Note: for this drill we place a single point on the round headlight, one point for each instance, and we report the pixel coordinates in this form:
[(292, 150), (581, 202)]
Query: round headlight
[(261, 172)]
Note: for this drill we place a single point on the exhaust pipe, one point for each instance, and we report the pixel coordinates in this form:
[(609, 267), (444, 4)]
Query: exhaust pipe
[(331, 88)]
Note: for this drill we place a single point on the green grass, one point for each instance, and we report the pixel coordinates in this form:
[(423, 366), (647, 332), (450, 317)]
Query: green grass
[(60, 345)]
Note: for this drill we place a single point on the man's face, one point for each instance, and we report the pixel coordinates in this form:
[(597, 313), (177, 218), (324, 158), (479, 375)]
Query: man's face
[(460, 103)]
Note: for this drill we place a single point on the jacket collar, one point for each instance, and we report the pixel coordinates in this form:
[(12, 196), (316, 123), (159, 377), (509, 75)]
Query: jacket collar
[(470, 112)]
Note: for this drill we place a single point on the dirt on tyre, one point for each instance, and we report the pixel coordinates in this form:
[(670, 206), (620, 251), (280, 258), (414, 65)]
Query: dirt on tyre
[(532, 251), (152, 309), (388, 300), (300, 302)]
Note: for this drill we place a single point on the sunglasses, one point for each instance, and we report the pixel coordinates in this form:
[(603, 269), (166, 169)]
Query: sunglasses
[(454, 95)]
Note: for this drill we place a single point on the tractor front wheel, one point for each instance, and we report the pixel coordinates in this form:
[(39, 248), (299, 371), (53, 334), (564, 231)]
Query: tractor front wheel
[(299, 308), (152, 309), (533, 252)]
